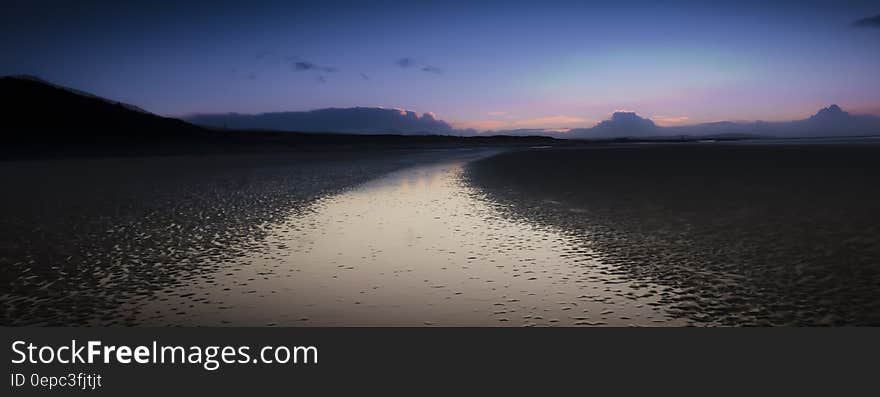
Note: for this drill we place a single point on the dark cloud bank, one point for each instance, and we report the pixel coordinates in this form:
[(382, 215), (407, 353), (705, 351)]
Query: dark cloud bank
[(869, 22), (830, 121), (305, 66), (620, 124), (349, 120)]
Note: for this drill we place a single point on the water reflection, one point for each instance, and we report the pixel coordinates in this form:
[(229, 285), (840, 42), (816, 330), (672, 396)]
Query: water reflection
[(417, 247)]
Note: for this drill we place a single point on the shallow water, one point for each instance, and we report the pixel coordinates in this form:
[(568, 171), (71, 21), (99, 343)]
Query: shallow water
[(416, 247)]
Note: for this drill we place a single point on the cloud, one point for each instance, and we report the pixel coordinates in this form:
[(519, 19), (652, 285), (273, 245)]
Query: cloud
[(306, 66), (872, 109), (827, 122), (552, 124), (621, 124), (300, 65), (480, 125), (432, 69), (406, 62), (346, 120), (869, 22), (365, 76), (668, 120), (549, 122), (554, 132)]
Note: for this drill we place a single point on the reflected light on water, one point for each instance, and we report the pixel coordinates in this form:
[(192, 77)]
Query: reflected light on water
[(417, 247)]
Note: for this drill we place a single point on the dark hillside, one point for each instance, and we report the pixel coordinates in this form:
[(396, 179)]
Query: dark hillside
[(36, 112)]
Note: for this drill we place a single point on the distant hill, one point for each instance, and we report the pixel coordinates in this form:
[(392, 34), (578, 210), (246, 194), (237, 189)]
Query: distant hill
[(37, 112)]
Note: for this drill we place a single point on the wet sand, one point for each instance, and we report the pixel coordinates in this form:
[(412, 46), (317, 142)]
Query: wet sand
[(382, 239), (81, 238), (416, 247), (647, 235), (744, 234)]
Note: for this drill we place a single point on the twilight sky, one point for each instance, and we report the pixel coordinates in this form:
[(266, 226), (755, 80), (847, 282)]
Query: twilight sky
[(493, 65)]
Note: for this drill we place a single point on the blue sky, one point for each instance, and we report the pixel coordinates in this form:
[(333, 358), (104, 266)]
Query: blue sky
[(492, 65)]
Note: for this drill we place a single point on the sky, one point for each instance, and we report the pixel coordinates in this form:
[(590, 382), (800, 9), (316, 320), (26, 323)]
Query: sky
[(491, 65)]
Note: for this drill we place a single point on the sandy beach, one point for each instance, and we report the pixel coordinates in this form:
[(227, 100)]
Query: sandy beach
[(392, 238), (416, 247), (83, 236), (611, 235), (744, 234)]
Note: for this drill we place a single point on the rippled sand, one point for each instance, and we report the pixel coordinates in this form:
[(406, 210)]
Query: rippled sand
[(416, 247), (757, 234), (80, 239)]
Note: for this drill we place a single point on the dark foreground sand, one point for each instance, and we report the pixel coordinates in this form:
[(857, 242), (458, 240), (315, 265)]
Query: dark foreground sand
[(744, 234), (78, 237)]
